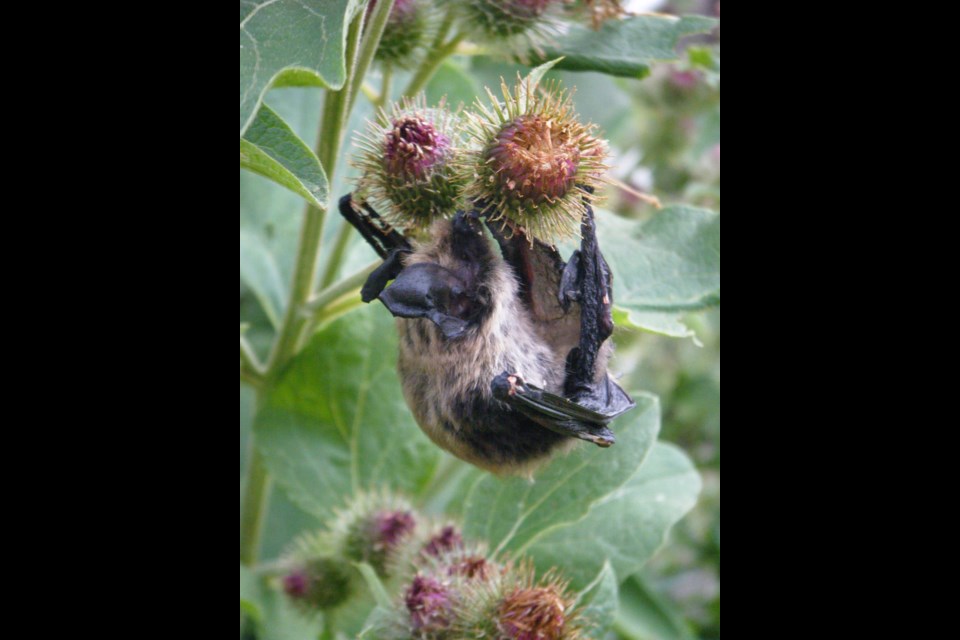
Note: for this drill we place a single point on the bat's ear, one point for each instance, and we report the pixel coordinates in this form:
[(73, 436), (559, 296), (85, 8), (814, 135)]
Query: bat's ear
[(431, 292)]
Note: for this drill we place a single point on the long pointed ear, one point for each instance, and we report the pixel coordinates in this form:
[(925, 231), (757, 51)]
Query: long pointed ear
[(429, 291)]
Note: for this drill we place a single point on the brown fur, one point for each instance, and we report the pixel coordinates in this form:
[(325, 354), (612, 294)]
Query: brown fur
[(441, 377)]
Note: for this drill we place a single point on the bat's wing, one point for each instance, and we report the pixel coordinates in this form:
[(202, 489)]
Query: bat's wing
[(381, 236), (562, 415), (390, 244), (550, 289)]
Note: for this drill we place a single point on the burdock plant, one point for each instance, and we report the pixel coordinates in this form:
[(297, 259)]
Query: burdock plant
[(406, 35), (535, 163), (315, 576), (466, 596), (374, 530), (510, 26), (407, 159)]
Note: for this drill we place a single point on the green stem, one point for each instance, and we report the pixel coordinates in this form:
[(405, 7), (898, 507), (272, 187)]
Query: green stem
[(329, 628), (443, 32), (251, 379), (337, 309), (368, 50), (338, 105), (319, 307), (256, 495), (333, 293), (431, 64), (370, 93), (329, 141), (340, 246), (250, 368), (336, 114), (308, 258), (253, 511), (371, 42), (386, 88)]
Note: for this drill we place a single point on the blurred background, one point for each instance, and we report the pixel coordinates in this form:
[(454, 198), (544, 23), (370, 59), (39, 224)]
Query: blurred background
[(671, 125)]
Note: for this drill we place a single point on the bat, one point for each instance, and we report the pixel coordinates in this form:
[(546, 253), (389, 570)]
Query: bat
[(503, 346)]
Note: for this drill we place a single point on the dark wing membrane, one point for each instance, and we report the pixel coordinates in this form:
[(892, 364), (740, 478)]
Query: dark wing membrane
[(554, 407), (381, 236)]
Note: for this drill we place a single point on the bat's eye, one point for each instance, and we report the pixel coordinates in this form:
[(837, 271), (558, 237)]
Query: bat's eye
[(460, 307)]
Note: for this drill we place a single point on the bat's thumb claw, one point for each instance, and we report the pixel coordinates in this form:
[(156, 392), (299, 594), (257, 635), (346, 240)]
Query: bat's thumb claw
[(603, 438)]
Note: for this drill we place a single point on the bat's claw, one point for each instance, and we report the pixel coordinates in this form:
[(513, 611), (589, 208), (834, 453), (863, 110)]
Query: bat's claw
[(507, 386), (603, 439)]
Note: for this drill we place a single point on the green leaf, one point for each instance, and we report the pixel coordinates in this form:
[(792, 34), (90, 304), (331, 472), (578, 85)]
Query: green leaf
[(284, 42), (536, 76), (624, 48), (453, 83), (626, 527), (516, 515), (271, 613), (281, 621), (336, 422), (669, 265), (250, 595), (270, 148), (645, 615), (270, 216), (664, 324), (260, 272), (599, 603)]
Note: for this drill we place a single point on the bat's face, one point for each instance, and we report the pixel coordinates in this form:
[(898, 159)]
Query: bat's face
[(432, 292)]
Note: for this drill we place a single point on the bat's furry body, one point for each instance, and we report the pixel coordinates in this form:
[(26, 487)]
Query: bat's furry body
[(447, 383), (495, 361)]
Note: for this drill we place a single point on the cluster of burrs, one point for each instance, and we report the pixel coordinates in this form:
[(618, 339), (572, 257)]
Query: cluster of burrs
[(512, 27), (524, 159), (445, 587)]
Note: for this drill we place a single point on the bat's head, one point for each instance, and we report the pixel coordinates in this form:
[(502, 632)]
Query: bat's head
[(434, 293), (452, 280)]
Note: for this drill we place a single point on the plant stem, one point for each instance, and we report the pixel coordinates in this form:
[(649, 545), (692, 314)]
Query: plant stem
[(329, 628), (333, 293), (253, 511), (387, 87), (368, 50), (370, 93), (251, 379), (334, 300), (337, 309), (340, 245), (308, 257), (250, 368), (338, 105), (443, 32), (431, 64), (371, 42), (329, 141), (335, 113)]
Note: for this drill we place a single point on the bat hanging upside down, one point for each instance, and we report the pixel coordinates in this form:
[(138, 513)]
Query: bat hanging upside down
[(503, 355)]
